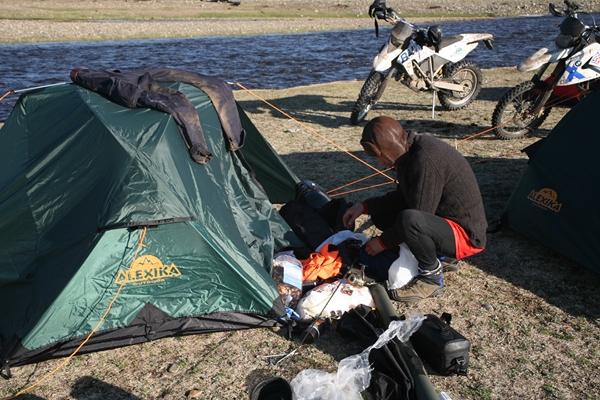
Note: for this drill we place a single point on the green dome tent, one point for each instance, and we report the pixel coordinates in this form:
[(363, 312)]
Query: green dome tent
[(82, 178), (556, 200)]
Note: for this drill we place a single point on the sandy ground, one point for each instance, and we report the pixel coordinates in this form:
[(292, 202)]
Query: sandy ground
[(43, 21), (533, 317)]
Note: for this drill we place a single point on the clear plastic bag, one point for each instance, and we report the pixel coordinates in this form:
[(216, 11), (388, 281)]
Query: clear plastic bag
[(354, 373), (287, 272)]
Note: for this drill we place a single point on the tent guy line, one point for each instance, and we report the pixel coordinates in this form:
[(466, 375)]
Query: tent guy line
[(68, 359), (330, 192), (314, 131)]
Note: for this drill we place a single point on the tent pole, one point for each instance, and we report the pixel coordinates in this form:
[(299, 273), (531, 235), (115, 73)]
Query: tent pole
[(40, 87)]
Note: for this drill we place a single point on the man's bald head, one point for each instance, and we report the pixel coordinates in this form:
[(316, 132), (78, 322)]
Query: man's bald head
[(384, 138)]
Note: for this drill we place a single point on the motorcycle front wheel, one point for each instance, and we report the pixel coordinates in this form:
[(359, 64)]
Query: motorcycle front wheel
[(468, 75), (369, 95), (512, 118)]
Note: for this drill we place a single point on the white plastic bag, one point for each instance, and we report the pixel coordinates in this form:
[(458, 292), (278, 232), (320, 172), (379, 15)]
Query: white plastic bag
[(403, 269), (354, 373), (346, 297), (341, 236)]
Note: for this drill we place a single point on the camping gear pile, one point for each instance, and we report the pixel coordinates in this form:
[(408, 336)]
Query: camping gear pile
[(331, 256), (360, 309)]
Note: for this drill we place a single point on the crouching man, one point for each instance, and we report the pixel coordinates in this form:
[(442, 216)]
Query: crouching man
[(436, 208)]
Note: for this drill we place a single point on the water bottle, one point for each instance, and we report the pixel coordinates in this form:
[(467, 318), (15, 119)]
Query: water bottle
[(312, 194)]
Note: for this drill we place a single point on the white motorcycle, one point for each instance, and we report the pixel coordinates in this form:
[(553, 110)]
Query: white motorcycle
[(525, 107), (424, 61)]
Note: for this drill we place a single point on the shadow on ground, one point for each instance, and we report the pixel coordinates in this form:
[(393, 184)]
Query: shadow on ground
[(317, 110), (88, 388), (452, 130), (321, 111), (492, 93)]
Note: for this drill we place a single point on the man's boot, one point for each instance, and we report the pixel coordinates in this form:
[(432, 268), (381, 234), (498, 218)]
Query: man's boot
[(426, 284), (450, 264)]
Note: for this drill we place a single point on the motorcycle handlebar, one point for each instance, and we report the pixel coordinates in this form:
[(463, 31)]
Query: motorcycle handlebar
[(571, 8), (386, 14)]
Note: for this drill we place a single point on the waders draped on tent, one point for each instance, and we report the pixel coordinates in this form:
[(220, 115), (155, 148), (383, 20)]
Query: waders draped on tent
[(556, 201), (79, 175)]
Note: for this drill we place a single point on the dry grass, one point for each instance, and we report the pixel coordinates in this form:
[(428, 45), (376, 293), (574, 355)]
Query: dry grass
[(532, 316)]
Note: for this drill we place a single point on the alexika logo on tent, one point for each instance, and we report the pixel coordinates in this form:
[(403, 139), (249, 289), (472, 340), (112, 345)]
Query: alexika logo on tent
[(545, 198), (147, 269)]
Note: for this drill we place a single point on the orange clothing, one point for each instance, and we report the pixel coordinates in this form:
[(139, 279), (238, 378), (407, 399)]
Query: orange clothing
[(322, 265)]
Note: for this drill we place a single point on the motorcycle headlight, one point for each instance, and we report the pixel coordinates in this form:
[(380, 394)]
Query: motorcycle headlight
[(401, 32), (571, 26)]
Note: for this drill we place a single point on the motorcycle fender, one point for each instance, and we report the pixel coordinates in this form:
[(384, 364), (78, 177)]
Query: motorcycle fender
[(535, 61), (459, 50), (477, 37), (456, 52), (383, 61)]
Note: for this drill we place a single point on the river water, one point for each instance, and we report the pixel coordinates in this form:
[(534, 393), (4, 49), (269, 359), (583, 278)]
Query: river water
[(266, 61)]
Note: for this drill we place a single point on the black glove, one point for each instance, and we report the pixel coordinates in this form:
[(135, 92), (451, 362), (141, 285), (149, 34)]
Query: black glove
[(572, 5), (378, 6)]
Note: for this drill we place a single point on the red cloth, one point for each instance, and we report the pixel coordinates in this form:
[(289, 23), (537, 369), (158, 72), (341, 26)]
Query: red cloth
[(463, 246)]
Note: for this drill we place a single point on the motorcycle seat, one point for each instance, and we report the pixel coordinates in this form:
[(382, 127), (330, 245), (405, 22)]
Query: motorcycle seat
[(449, 40)]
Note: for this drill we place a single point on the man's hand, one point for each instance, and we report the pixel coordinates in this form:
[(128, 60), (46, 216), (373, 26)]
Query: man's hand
[(374, 246), (351, 214), (378, 6)]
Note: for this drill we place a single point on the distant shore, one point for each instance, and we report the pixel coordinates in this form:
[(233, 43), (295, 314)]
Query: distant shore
[(31, 21)]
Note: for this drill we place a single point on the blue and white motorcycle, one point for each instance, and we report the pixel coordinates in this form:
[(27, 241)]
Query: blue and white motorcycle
[(424, 61), (577, 57)]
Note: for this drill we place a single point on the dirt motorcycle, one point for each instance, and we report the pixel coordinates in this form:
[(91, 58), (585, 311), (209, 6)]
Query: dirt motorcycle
[(424, 61), (525, 107)]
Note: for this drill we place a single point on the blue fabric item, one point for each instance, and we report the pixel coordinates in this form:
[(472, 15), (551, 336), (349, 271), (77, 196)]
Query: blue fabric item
[(376, 267)]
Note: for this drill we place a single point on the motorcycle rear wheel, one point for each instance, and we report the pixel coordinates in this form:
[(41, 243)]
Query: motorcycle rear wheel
[(467, 74), (512, 118), (369, 95)]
